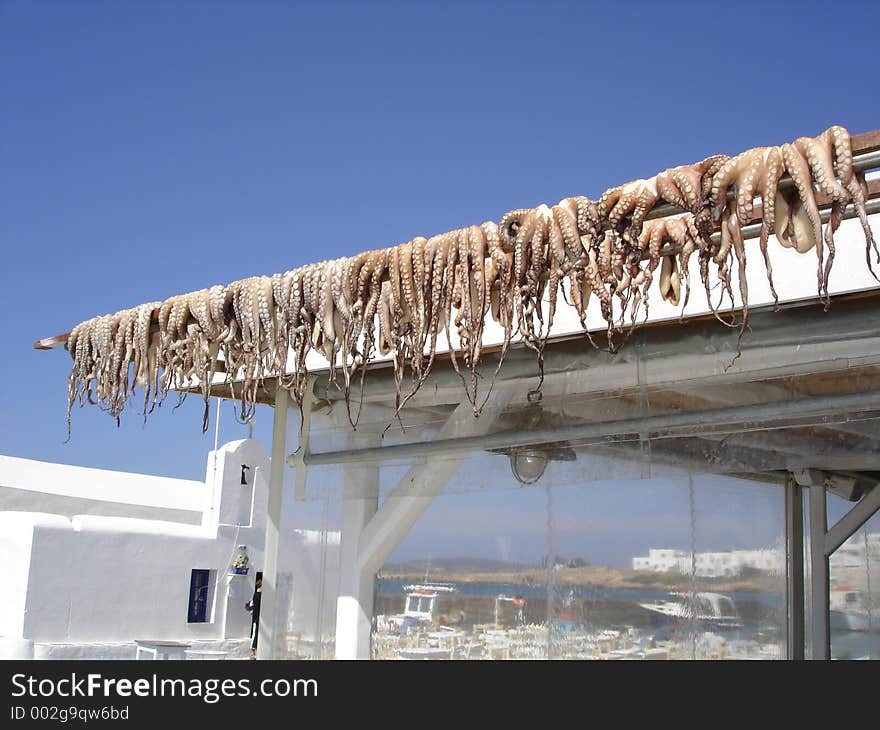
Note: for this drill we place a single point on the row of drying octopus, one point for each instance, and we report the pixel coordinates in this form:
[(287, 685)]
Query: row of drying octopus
[(400, 300)]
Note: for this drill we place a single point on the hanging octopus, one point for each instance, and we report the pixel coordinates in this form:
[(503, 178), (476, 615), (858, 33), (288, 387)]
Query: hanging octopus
[(625, 207), (680, 233), (397, 301), (792, 211)]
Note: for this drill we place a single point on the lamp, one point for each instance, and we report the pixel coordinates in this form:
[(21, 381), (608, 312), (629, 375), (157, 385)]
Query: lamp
[(528, 464), (529, 461)]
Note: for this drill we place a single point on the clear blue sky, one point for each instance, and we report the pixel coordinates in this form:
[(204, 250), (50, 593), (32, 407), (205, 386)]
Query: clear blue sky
[(148, 149)]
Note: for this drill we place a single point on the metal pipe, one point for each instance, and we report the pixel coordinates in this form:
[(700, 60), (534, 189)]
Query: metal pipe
[(664, 424), (861, 163), (820, 619), (753, 230), (794, 567), (866, 161)]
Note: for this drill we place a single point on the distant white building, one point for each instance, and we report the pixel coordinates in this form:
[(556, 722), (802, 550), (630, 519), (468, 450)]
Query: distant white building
[(95, 561), (663, 560), (856, 563), (858, 551), (711, 565)]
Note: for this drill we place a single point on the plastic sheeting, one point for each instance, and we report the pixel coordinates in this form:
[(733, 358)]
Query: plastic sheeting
[(572, 566)]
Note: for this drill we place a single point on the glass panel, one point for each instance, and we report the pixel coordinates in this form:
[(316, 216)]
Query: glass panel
[(633, 508), (854, 575), (605, 567), (308, 570)]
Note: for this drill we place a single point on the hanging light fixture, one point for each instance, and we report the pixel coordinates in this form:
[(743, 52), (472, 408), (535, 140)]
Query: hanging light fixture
[(528, 464)]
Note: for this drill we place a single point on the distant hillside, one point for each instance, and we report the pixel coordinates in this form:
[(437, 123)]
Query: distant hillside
[(474, 570), (453, 565)]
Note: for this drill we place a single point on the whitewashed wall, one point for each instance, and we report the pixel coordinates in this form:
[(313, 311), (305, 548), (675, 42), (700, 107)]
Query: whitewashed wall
[(89, 585), (37, 486)]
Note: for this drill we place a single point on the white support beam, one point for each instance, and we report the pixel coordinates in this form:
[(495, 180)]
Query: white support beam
[(401, 511), (417, 489), (268, 638), (354, 604), (369, 534), (847, 525)]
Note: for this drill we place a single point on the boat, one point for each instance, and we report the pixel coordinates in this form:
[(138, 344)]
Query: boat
[(518, 603), (421, 600), (714, 610), (850, 611), (418, 610)]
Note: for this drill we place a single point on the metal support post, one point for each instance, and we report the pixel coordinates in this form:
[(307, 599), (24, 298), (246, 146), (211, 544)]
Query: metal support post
[(819, 588), (794, 567)]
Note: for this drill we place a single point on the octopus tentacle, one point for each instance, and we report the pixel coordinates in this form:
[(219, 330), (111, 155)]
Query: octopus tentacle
[(799, 170), (732, 225), (670, 280), (409, 303), (687, 182), (633, 199), (838, 139), (565, 216), (818, 153), (858, 189), (769, 193), (688, 246)]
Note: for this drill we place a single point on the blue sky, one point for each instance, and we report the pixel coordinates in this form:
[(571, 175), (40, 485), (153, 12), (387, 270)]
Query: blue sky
[(148, 149)]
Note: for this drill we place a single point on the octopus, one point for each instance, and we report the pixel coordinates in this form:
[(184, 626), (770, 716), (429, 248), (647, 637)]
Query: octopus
[(791, 211), (626, 206), (113, 354), (396, 302), (756, 171), (680, 233)]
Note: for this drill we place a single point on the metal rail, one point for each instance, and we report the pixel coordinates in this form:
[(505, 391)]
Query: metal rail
[(680, 423), (753, 230), (861, 163)]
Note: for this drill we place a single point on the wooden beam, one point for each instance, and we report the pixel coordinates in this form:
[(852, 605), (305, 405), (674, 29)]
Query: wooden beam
[(866, 142), (50, 343)]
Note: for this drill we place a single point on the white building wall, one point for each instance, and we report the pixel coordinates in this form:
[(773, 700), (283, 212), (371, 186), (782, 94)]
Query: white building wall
[(663, 560), (99, 579), (90, 585), (37, 486), (854, 567), (711, 564), (15, 557)]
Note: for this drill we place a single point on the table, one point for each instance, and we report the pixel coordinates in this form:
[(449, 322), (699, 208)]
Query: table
[(150, 649)]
